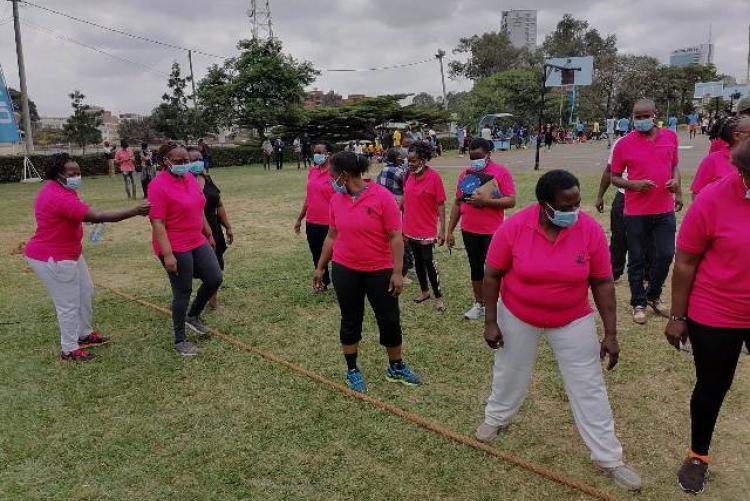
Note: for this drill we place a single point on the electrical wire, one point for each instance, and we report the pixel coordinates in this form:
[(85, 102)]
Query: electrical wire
[(120, 31), (201, 52), (93, 48)]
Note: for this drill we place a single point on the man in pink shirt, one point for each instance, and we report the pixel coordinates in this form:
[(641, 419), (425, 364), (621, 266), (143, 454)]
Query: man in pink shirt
[(710, 303), (542, 262), (125, 160), (652, 194)]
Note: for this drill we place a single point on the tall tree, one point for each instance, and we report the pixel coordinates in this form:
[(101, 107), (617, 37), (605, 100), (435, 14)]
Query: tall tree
[(261, 87), (15, 97), (487, 54), (173, 118), (82, 127)]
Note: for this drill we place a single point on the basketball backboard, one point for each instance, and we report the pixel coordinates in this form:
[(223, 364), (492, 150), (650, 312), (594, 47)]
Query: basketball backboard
[(564, 71)]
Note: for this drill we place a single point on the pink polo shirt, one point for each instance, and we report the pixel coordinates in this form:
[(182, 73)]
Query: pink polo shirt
[(546, 284), (59, 214), (362, 226), (716, 227), (485, 220), (423, 195), (126, 159), (713, 167), (179, 202), (319, 193), (645, 158)]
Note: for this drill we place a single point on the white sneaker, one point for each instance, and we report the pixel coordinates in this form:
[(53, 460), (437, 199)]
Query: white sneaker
[(639, 315), (686, 346), (475, 313), (407, 281), (744, 349), (487, 433), (624, 477)]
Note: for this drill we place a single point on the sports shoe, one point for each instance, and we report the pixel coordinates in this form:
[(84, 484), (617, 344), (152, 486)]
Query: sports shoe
[(487, 433), (401, 373), (196, 325), (659, 308), (355, 381), (624, 477), (639, 315), (186, 349), (78, 355), (93, 339), (686, 346), (692, 475), (475, 313), (407, 281)]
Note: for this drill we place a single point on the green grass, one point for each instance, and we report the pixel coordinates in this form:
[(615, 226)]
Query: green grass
[(140, 423)]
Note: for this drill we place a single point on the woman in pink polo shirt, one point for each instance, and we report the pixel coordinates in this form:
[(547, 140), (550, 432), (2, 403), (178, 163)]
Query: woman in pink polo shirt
[(542, 262), (183, 241), (718, 164), (54, 252), (424, 204), (480, 214), (367, 248), (315, 209), (125, 160), (711, 301)]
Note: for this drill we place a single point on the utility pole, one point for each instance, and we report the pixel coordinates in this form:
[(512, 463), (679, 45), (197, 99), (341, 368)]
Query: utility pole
[(440, 55), (192, 75), (22, 77)]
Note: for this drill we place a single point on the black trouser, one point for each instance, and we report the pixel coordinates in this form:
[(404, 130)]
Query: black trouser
[(424, 265), (316, 236), (715, 351), (266, 161), (144, 184), (408, 260), (279, 160), (129, 181), (476, 248), (657, 232), (618, 243), (351, 288), (200, 263)]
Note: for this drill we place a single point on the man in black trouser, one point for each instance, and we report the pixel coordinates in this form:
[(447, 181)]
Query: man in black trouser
[(278, 152), (652, 195), (316, 235)]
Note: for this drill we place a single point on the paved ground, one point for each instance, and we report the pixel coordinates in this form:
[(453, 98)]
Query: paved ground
[(581, 158)]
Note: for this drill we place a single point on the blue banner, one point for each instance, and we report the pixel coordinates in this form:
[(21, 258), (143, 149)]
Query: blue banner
[(8, 129)]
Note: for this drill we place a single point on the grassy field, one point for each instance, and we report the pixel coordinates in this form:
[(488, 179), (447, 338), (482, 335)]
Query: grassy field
[(141, 423)]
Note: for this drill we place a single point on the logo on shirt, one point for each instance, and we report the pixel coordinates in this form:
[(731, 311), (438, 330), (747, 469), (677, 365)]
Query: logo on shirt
[(580, 259)]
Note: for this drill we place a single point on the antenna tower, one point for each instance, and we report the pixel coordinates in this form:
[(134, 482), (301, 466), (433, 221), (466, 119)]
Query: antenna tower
[(260, 19)]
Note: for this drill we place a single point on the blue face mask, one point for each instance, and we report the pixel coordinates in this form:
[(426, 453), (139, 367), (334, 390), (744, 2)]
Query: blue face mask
[(319, 158), (196, 167), (179, 170), (478, 164), (643, 125), (338, 186), (563, 219), (73, 183)]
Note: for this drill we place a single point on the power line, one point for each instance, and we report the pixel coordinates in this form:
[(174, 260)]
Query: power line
[(204, 53), (120, 31), (93, 48)]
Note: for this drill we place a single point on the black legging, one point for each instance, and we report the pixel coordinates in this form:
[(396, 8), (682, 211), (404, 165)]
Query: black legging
[(316, 236), (477, 246), (716, 352), (200, 263), (424, 265)]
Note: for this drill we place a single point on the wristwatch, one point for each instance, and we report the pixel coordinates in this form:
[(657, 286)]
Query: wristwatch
[(675, 318)]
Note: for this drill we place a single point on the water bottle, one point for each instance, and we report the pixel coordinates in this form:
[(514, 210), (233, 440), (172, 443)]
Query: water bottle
[(96, 233)]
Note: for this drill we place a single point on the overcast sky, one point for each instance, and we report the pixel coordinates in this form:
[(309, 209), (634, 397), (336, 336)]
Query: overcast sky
[(331, 34)]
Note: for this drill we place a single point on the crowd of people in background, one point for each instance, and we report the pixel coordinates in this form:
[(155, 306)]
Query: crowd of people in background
[(530, 274)]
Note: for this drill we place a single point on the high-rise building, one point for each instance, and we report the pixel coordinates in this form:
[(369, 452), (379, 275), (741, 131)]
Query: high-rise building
[(520, 26), (699, 54)]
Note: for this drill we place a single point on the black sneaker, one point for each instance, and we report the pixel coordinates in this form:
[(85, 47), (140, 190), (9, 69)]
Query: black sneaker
[(692, 475), (196, 325), (186, 349)]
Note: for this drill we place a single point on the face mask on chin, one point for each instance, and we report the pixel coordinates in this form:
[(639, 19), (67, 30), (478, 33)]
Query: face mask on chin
[(338, 186)]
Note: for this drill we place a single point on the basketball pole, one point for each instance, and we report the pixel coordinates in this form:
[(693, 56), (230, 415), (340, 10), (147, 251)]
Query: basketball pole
[(545, 74)]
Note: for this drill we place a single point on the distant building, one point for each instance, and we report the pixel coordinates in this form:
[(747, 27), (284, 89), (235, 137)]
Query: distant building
[(53, 123), (316, 98), (124, 117), (110, 124), (520, 26), (354, 98), (699, 54)]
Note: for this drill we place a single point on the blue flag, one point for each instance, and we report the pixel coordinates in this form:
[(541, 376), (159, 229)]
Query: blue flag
[(8, 129)]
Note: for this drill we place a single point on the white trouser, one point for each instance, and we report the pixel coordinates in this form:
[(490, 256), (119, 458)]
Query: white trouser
[(69, 283), (576, 348)]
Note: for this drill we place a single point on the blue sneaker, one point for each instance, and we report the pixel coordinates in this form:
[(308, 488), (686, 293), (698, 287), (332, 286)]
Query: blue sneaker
[(355, 381), (402, 374)]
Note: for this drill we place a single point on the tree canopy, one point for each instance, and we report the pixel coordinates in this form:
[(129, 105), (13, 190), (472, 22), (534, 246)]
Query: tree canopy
[(82, 127), (487, 54), (15, 97)]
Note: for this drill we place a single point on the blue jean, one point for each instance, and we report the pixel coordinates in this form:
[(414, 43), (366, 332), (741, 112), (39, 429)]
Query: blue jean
[(657, 232)]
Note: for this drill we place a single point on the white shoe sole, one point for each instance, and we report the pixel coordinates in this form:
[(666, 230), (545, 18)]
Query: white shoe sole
[(196, 330)]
